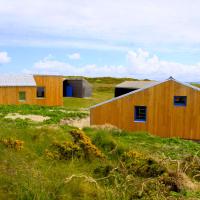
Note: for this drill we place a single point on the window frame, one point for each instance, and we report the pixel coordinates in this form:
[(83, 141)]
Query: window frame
[(180, 104), (136, 118), (24, 93), (42, 97)]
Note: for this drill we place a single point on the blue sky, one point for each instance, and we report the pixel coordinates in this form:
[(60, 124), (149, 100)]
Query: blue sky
[(123, 38)]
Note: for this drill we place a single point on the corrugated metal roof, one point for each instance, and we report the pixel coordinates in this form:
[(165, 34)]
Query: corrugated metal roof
[(8, 80), (135, 84)]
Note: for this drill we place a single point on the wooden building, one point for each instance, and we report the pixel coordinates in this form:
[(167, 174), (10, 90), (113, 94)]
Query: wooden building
[(31, 89), (167, 109)]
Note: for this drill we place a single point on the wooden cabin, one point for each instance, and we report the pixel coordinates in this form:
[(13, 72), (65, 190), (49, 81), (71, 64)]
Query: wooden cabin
[(31, 89), (167, 109)]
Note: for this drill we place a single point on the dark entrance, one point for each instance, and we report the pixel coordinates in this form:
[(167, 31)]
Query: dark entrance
[(76, 88), (67, 89)]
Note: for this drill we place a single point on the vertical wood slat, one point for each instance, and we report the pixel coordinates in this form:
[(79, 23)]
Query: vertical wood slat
[(53, 88)]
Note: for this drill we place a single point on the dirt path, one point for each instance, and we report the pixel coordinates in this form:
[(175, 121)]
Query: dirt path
[(35, 118), (80, 123)]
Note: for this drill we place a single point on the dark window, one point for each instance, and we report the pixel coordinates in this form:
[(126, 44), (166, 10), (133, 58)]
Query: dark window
[(140, 113), (40, 92), (180, 100), (22, 96)]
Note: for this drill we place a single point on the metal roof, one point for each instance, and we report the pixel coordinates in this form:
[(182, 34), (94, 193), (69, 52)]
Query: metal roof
[(135, 84), (8, 80), (141, 89)]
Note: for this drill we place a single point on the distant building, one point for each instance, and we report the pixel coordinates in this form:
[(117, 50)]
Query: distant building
[(31, 89), (167, 109), (129, 86), (73, 87)]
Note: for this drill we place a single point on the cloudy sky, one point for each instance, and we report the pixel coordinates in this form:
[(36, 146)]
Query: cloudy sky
[(123, 38)]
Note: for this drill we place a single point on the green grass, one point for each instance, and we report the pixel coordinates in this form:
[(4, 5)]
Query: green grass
[(103, 89), (30, 174), (173, 148), (55, 114)]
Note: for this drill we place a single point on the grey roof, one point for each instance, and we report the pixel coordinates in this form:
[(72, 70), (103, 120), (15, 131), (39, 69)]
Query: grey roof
[(8, 80), (149, 86), (135, 84)]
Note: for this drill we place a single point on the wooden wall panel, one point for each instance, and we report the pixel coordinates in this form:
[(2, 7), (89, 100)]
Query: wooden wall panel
[(10, 95), (163, 118), (53, 90)]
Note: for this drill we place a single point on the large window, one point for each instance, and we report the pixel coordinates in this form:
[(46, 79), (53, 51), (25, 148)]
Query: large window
[(140, 114), (40, 92), (180, 100), (22, 96)]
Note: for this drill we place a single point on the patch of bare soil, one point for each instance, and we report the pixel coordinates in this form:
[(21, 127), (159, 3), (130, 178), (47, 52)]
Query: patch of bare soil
[(35, 118), (80, 123), (108, 127)]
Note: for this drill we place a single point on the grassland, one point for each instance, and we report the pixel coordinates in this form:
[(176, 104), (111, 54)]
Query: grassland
[(45, 160), (103, 89)]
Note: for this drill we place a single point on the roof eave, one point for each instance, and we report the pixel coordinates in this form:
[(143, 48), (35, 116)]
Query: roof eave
[(139, 90)]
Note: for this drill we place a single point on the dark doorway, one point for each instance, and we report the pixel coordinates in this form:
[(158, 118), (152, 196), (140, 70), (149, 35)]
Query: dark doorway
[(76, 88), (67, 89)]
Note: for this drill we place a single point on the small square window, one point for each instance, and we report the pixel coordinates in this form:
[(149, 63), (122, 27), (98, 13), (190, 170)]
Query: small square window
[(140, 113), (22, 96), (40, 92), (180, 100)]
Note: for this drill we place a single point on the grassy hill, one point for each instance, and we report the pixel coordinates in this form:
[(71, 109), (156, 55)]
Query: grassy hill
[(103, 89), (52, 160)]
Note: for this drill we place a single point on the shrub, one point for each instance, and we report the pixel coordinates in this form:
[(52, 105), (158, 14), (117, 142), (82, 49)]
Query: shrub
[(191, 166), (89, 149), (64, 151), (141, 165), (11, 143), (79, 148)]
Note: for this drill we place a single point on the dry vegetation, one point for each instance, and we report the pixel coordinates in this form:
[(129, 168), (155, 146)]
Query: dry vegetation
[(53, 160)]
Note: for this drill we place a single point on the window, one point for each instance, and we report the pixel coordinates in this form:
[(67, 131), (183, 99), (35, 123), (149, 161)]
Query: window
[(140, 113), (180, 100), (22, 96), (40, 92)]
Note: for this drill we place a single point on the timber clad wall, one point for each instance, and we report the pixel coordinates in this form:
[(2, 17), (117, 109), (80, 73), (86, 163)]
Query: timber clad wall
[(53, 92), (10, 95), (163, 117)]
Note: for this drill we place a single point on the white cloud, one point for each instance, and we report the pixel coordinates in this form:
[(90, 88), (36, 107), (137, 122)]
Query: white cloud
[(144, 65), (4, 58), (140, 64), (52, 66), (74, 56), (137, 22)]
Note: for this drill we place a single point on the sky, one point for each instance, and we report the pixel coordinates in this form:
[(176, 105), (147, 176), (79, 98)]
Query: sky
[(151, 39)]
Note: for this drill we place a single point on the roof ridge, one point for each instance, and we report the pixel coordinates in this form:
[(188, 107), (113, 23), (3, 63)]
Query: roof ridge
[(139, 90)]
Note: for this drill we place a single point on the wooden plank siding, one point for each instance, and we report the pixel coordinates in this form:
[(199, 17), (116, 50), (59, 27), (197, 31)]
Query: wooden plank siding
[(9, 95), (53, 90), (163, 117)]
